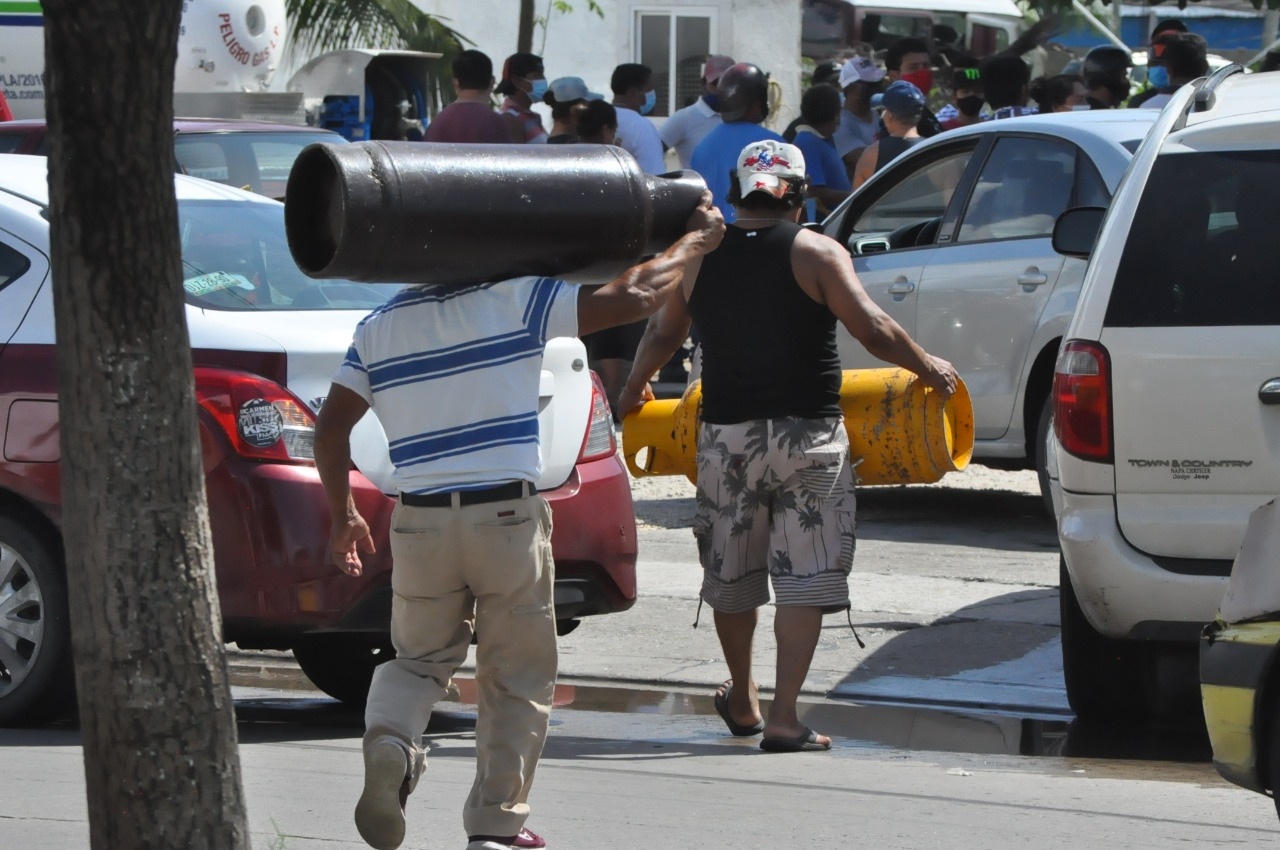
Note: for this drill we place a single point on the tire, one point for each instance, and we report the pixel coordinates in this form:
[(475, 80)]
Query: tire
[(1106, 678), (1041, 454), (1273, 753), (342, 665), (37, 680)]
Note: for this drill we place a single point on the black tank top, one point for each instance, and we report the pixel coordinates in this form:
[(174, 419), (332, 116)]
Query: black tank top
[(768, 349), (890, 147)]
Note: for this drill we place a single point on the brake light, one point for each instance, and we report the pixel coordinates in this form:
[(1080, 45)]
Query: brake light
[(1082, 401), (263, 420), (599, 441)]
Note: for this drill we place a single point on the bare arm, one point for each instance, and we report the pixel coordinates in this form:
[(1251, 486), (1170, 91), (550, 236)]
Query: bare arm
[(866, 164), (640, 290), (823, 268), (666, 331), (348, 531)]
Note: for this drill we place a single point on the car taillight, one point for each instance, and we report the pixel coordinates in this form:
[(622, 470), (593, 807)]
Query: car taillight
[(599, 441), (1082, 401), (262, 419)]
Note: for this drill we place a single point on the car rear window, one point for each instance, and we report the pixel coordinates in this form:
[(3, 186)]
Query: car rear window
[(235, 257), (1203, 247), (259, 162)]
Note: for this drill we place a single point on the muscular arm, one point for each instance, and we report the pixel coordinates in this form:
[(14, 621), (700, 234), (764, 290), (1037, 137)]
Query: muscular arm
[(666, 331), (640, 291), (341, 411), (825, 271), (866, 164)]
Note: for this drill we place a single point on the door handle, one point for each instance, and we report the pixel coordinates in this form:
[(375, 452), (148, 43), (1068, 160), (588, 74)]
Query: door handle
[(1269, 392), (1032, 277), (902, 287)]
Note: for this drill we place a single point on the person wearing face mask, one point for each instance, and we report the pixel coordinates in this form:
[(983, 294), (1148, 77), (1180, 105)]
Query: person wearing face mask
[(688, 126), (1061, 93), (634, 98), (1157, 72), (909, 59), (860, 80), (1185, 57), (524, 82), (967, 99)]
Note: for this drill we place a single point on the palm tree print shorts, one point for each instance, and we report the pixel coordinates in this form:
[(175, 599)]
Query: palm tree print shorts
[(775, 502)]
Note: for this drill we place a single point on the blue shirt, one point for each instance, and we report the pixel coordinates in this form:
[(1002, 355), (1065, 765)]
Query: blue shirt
[(716, 158), (821, 162)]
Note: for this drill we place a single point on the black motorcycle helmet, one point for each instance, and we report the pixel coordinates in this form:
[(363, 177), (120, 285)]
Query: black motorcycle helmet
[(741, 86), (1106, 60)]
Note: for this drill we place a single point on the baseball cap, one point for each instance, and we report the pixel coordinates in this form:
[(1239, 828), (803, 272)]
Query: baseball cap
[(715, 66), (566, 89), (768, 166), (860, 69), (901, 98)]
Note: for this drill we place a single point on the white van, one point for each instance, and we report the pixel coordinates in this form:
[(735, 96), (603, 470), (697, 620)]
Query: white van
[(831, 27)]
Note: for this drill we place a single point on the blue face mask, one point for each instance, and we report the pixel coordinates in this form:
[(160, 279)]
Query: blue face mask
[(650, 100), (1158, 75), (538, 90), (712, 100)]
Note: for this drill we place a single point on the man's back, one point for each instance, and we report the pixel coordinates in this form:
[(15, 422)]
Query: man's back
[(467, 122)]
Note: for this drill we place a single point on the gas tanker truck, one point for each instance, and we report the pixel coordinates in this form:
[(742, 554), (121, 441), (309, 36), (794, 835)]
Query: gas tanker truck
[(228, 54)]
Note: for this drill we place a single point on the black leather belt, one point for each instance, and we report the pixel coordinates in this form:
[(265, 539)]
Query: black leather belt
[(501, 493)]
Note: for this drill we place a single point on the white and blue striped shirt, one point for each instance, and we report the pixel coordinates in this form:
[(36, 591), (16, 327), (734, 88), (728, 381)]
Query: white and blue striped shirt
[(452, 374)]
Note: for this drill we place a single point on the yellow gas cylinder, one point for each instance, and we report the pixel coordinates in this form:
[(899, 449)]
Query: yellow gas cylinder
[(900, 432)]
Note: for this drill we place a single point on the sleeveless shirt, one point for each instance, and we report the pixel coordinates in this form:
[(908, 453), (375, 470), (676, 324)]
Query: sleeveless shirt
[(768, 349)]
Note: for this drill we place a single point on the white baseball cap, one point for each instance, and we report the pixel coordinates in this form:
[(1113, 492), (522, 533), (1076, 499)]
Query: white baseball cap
[(860, 69), (769, 166)]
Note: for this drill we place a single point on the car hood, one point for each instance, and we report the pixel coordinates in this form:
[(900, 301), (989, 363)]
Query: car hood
[(314, 343)]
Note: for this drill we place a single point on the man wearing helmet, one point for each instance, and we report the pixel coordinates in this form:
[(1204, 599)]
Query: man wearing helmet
[(775, 503), (1105, 71), (744, 103)]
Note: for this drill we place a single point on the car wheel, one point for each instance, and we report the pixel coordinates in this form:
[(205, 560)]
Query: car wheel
[(342, 665), (1041, 454), (37, 681), (1273, 754), (1106, 678)]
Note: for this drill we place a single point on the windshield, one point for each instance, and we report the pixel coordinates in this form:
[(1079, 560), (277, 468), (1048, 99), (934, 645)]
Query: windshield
[(235, 257)]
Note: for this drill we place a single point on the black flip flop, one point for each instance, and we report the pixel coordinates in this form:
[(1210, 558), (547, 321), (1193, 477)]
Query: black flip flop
[(802, 743), (735, 728)]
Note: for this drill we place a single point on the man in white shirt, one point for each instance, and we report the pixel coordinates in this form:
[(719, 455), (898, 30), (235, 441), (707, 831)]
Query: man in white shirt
[(859, 80), (686, 127), (634, 98)]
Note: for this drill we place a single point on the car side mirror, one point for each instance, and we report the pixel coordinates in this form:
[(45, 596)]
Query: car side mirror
[(1076, 231)]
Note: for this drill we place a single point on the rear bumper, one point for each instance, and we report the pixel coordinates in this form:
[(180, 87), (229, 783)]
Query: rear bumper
[(271, 524), (1123, 592)]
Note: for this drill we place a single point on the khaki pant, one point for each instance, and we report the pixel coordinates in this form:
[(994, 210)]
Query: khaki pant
[(486, 567)]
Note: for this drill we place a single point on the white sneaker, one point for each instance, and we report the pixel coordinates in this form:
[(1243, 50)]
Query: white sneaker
[(380, 811)]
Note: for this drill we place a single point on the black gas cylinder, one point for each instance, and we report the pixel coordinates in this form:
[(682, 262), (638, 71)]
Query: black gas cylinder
[(415, 212)]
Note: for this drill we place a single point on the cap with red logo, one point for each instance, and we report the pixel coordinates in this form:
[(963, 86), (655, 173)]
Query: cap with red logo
[(769, 166)]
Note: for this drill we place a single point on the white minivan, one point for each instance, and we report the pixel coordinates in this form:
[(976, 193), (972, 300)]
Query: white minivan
[(1167, 392)]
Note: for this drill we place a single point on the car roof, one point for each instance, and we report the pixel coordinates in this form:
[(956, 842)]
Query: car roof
[(27, 177), (1254, 95), (1115, 125)]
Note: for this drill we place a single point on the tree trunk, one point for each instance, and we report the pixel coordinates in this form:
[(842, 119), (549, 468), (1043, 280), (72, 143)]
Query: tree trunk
[(161, 762), (524, 35)]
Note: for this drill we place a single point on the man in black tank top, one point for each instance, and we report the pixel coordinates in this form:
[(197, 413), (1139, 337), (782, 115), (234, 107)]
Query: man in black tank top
[(775, 498), (903, 104)]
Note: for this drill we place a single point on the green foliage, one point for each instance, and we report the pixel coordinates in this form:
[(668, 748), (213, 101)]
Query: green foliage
[(319, 26)]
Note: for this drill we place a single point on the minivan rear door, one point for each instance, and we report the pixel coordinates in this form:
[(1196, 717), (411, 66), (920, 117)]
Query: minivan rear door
[(1193, 331)]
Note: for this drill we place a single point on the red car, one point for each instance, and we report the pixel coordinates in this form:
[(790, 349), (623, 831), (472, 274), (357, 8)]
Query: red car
[(265, 340)]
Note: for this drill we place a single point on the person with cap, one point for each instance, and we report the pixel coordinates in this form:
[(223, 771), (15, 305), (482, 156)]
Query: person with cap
[(828, 178), (452, 373), (824, 74), (1186, 58), (470, 117), (1157, 72), (859, 80), (690, 125), (744, 104), (567, 97), (523, 84), (1105, 71), (1006, 82), (775, 489), (902, 104), (634, 98), (965, 108)]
